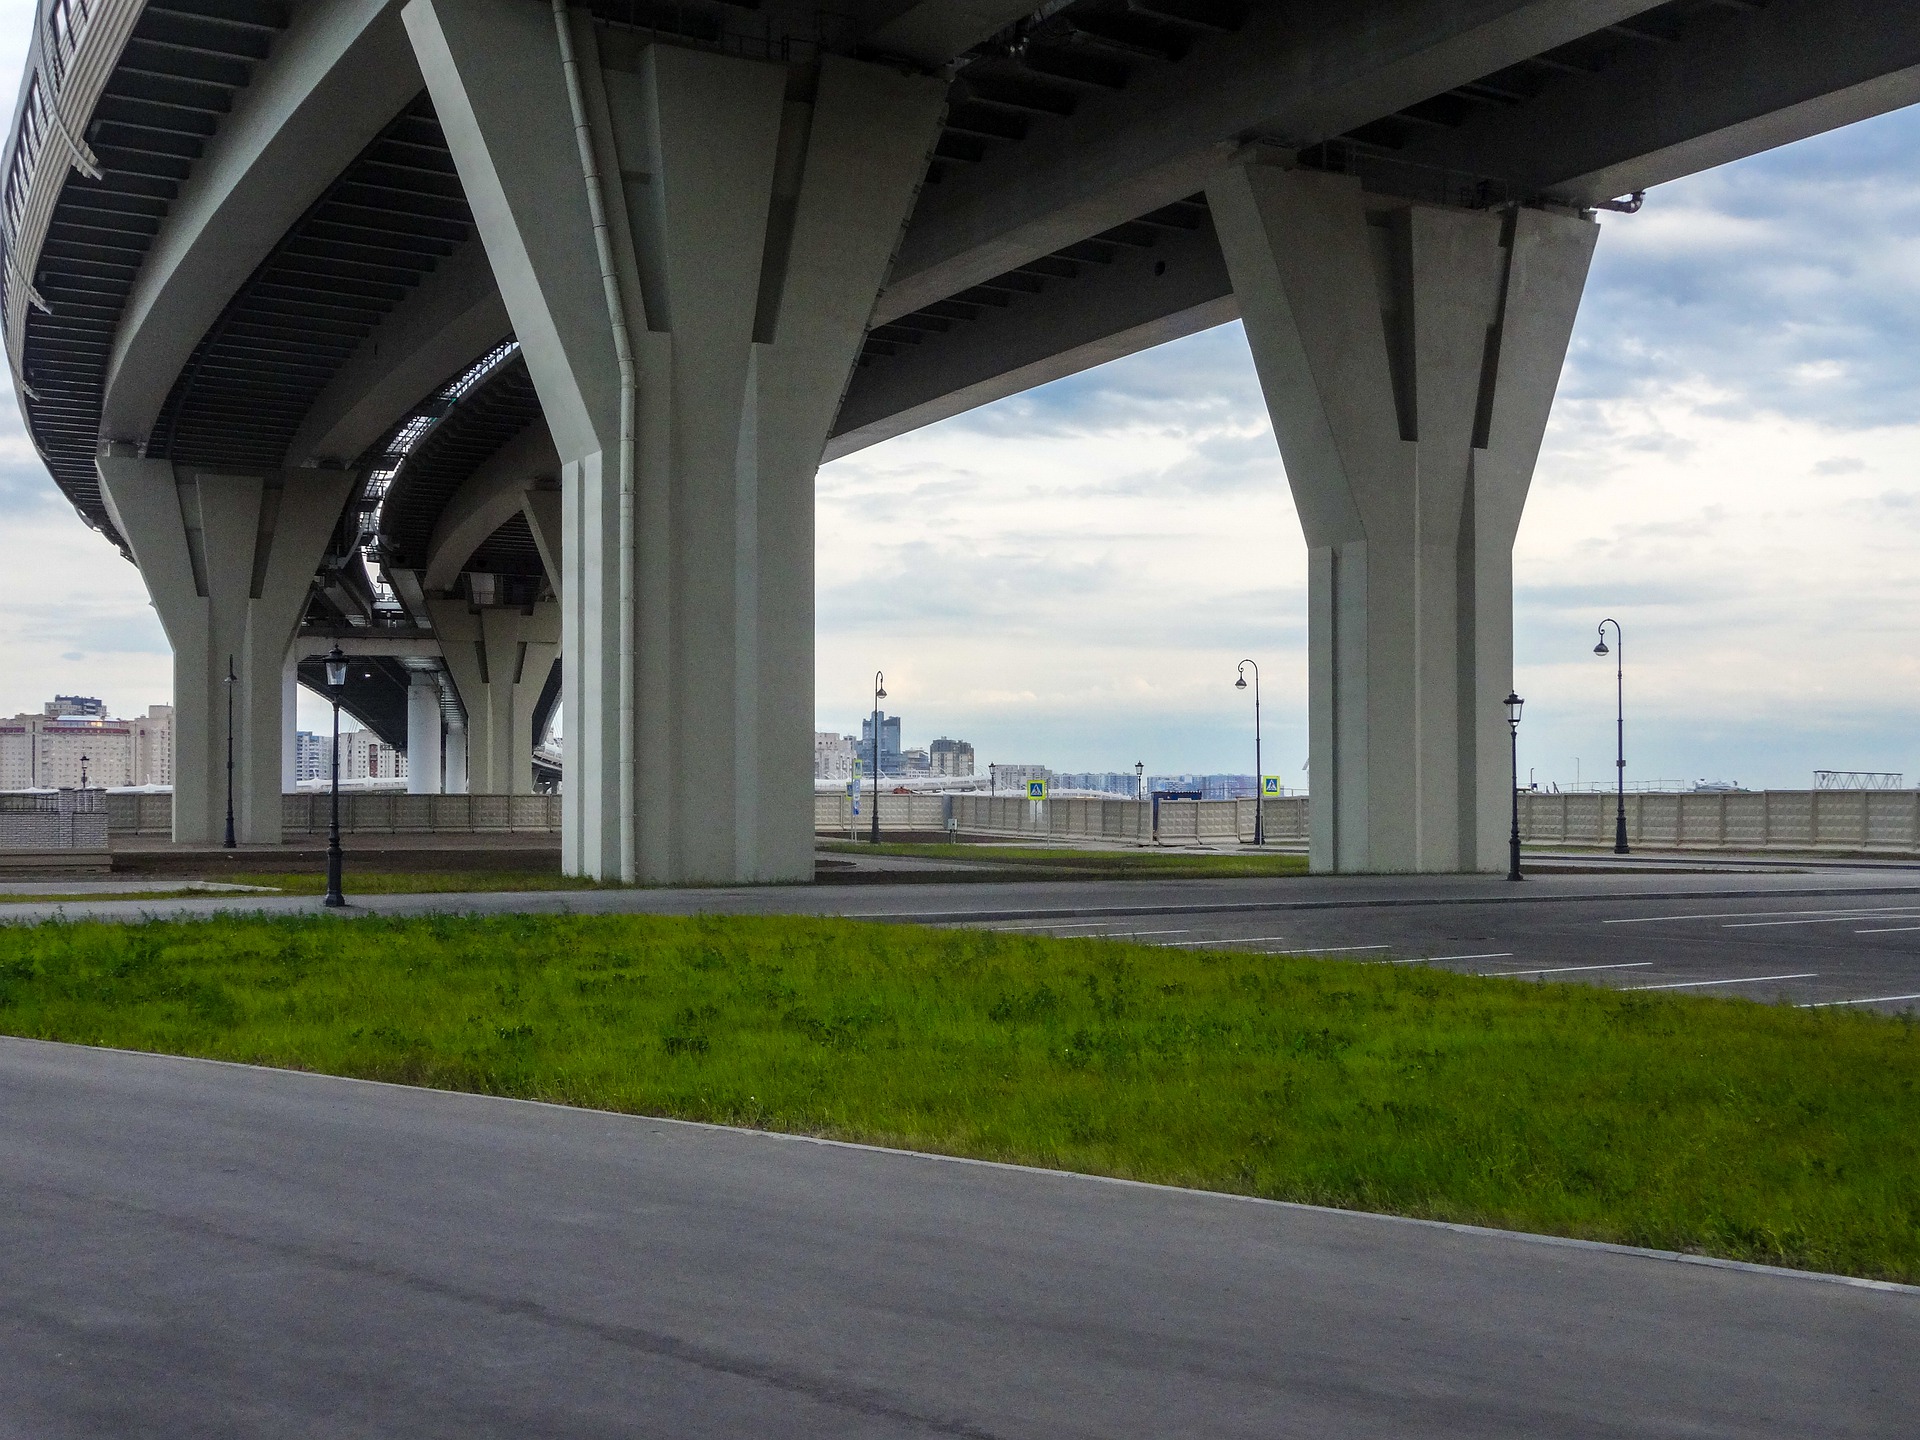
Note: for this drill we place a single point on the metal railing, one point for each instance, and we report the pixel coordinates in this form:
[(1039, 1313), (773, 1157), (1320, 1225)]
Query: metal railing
[(75, 46)]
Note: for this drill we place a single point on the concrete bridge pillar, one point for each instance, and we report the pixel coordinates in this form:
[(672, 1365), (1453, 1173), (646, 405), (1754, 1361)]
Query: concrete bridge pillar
[(499, 657), (423, 734), (751, 211), (455, 759), (1409, 356), (228, 561)]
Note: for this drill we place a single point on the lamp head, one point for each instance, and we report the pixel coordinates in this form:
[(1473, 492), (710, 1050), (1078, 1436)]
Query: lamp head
[(881, 693), (336, 668), (1241, 683), (1513, 703), (1601, 648)]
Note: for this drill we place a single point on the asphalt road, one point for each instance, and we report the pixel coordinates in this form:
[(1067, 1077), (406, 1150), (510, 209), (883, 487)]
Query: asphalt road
[(1829, 936), (192, 1249)]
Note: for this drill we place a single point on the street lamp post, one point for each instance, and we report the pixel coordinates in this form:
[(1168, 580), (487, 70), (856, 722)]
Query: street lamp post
[(1140, 779), (1619, 729), (1513, 704), (228, 842), (879, 694), (83, 770), (1259, 780), (336, 682)]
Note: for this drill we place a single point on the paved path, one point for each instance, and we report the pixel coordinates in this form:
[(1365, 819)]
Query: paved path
[(1836, 937), (190, 1249)]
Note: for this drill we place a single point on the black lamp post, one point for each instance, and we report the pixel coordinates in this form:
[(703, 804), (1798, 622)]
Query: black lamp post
[(228, 842), (1619, 729), (1140, 779), (336, 681), (1259, 781), (879, 694), (83, 771), (1513, 704)]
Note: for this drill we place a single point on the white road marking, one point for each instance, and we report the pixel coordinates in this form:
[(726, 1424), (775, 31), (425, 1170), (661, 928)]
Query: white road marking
[(1869, 1000), (1491, 955), (1834, 919), (1332, 949), (1867, 912), (1889, 930), (1564, 969), (1888, 910), (1742, 980)]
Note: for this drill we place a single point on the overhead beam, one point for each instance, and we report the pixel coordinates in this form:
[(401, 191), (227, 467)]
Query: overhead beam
[(486, 500), (1297, 73), (1730, 87), (936, 31), (1145, 297), (453, 317), (337, 78)]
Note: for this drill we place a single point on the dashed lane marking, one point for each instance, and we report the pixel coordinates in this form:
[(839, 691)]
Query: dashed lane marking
[(1865, 1000)]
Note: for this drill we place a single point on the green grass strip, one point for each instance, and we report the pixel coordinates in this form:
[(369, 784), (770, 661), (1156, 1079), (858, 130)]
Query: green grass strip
[(1752, 1131)]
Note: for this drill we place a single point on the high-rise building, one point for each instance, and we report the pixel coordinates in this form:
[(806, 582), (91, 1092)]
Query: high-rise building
[(889, 742), (950, 757), (312, 756)]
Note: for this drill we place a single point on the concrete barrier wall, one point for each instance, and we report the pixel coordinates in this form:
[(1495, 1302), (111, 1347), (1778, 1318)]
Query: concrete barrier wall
[(1181, 822), (1886, 820), (367, 812), (1758, 820), (66, 820), (1723, 820)]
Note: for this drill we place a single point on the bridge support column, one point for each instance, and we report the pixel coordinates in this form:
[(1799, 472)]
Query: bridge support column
[(423, 735), (455, 759), (290, 725), (228, 561), (1409, 356), (499, 657), (752, 210)]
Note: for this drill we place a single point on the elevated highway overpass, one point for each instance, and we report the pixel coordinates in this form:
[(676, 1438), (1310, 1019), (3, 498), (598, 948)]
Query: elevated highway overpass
[(501, 341)]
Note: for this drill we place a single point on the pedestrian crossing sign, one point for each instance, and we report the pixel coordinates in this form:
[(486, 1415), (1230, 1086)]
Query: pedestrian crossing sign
[(1269, 784), (1036, 789)]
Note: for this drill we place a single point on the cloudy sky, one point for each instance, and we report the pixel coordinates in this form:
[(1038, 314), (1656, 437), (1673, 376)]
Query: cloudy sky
[(1069, 577)]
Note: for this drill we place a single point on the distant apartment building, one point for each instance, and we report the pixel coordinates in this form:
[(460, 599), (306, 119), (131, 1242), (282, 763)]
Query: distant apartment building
[(1124, 783), (365, 756), (75, 742), (312, 756), (832, 755), (950, 757), (1014, 779), (62, 706)]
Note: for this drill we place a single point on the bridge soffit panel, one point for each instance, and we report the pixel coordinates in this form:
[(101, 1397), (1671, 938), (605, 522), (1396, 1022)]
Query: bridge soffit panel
[(336, 78)]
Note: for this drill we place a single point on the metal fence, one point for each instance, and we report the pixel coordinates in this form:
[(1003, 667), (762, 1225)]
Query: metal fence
[(63, 820)]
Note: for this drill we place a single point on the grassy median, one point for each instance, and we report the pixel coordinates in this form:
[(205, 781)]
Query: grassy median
[(1731, 1128)]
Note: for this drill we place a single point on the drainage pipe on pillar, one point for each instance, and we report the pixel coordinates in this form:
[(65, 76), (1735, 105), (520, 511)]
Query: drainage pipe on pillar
[(623, 353)]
